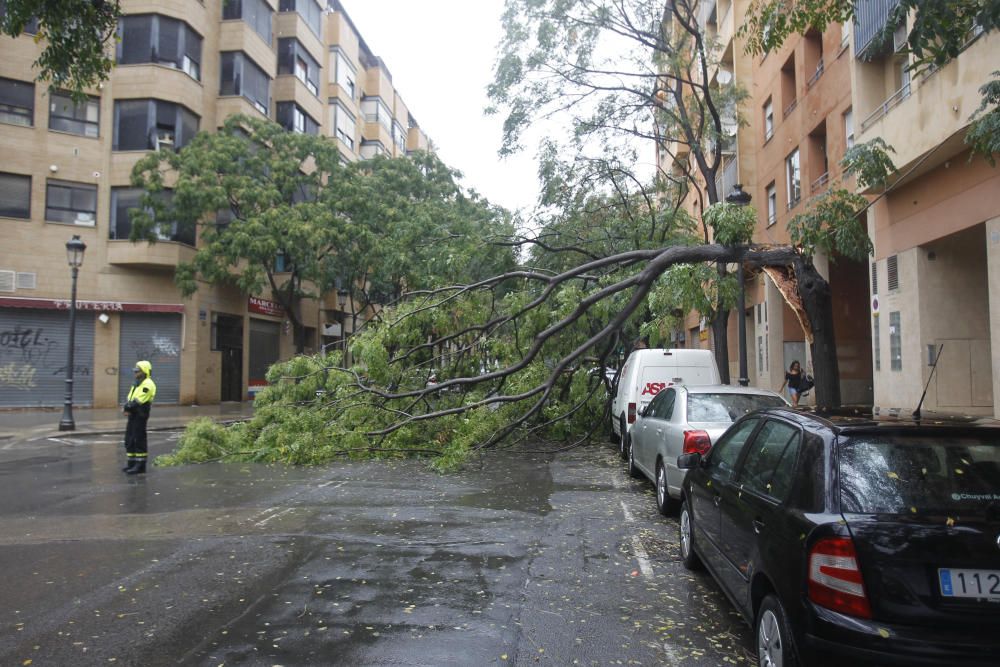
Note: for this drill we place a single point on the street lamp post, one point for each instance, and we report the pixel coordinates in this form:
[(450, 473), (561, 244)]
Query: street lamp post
[(342, 295), (741, 198), (74, 255)]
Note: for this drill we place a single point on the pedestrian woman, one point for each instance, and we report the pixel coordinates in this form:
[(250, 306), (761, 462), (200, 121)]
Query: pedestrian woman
[(793, 378), (137, 405)]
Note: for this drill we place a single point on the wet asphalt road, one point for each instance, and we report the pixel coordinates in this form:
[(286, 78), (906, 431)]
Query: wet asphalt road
[(522, 559)]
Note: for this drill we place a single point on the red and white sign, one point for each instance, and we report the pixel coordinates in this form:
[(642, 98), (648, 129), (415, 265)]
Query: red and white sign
[(255, 304), (105, 306)]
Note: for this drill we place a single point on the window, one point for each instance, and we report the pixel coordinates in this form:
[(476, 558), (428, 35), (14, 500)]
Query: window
[(793, 178), (768, 119), (344, 125), (15, 196), (294, 59), (374, 110), (256, 13), (17, 102), (876, 343), (722, 457), (849, 128), (151, 125), (771, 460), (772, 204), (310, 12), (346, 75), (151, 38), (895, 341), (845, 34), (241, 76), (67, 116), (892, 269), (123, 200), (662, 406), (370, 149), (71, 203), (291, 117), (399, 136), (30, 27)]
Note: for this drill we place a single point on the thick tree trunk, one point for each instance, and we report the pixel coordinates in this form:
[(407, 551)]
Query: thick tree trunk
[(814, 291)]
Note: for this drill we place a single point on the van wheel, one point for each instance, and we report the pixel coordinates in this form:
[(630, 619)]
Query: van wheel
[(623, 441), (775, 646), (664, 502)]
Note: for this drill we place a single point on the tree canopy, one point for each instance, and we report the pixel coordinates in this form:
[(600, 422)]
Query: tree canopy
[(76, 34)]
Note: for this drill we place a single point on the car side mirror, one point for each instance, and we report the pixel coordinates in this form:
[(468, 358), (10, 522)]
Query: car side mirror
[(688, 461)]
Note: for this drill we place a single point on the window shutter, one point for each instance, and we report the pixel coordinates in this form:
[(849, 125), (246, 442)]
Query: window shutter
[(874, 278), (26, 280), (6, 281), (893, 270)]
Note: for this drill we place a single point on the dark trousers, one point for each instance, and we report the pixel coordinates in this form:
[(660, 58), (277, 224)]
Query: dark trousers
[(135, 437)]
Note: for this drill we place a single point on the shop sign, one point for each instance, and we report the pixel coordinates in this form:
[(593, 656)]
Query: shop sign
[(255, 304), (103, 306)]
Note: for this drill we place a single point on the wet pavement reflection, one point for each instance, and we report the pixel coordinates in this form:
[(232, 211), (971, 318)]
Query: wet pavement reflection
[(519, 559)]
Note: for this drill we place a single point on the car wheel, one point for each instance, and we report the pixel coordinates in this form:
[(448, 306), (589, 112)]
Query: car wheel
[(624, 440), (686, 531), (633, 470), (664, 502), (775, 646)]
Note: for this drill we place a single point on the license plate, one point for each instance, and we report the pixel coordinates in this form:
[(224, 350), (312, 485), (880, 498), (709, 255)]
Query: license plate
[(984, 584)]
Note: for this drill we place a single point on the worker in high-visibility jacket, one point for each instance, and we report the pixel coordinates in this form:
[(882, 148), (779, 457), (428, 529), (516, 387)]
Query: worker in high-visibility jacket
[(137, 405)]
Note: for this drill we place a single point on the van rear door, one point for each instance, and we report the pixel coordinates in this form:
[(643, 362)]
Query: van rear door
[(691, 375)]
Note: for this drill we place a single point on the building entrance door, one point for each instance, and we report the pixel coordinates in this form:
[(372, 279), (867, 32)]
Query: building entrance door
[(229, 341)]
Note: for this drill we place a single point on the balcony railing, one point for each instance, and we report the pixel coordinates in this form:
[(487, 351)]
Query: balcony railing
[(816, 75), (727, 179), (884, 108), (819, 183), (791, 107)]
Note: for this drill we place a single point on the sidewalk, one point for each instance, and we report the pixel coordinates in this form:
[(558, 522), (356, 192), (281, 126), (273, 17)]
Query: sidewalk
[(18, 426)]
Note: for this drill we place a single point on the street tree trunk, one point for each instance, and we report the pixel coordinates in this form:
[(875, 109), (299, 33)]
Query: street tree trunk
[(720, 334), (814, 291)]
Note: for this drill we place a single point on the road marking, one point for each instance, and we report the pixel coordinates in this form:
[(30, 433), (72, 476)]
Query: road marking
[(275, 515), (339, 484), (640, 553)]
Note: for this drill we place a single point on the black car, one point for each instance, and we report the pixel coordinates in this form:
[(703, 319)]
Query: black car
[(846, 540)]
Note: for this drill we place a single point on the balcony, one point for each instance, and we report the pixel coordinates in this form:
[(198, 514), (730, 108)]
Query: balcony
[(816, 75), (870, 20), (142, 254), (790, 108), (881, 110), (820, 183)]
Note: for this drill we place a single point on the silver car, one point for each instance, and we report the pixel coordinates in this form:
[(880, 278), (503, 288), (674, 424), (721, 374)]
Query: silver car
[(683, 419)]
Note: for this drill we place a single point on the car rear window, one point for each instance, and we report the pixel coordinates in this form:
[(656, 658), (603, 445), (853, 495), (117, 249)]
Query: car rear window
[(713, 408), (920, 474)]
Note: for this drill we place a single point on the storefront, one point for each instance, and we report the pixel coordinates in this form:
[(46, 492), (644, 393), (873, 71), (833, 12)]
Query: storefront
[(156, 338), (265, 340)]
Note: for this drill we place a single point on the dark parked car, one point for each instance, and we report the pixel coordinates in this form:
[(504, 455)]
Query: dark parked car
[(847, 540)]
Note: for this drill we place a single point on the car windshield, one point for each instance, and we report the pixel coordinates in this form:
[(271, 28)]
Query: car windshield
[(920, 474), (713, 408)]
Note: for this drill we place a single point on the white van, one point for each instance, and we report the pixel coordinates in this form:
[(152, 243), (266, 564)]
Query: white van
[(646, 372)]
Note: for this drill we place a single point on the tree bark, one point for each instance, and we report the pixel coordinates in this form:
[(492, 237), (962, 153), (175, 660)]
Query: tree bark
[(720, 333), (814, 291)]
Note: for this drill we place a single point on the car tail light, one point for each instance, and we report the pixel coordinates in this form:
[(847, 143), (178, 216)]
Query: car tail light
[(696, 441), (835, 577), (631, 413)]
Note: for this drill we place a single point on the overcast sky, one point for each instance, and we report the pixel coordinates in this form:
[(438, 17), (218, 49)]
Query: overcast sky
[(441, 55)]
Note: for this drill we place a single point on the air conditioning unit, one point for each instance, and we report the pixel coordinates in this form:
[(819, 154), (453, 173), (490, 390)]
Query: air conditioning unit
[(899, 38)]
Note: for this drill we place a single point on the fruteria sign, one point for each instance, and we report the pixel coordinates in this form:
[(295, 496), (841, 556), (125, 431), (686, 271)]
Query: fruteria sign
[(255, 304)]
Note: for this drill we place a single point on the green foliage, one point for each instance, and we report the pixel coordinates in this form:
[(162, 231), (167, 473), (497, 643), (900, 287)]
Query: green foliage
[(833, 222), (731, 224), (76, 33), (984, 133), (869, 163)]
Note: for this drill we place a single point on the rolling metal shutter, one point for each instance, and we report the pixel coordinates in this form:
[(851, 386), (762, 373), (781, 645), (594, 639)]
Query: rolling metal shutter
[(33, 347), (155, 337)]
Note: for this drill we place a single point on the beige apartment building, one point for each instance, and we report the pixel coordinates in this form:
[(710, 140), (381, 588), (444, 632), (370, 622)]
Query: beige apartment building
[(182, 66), (935, 276)]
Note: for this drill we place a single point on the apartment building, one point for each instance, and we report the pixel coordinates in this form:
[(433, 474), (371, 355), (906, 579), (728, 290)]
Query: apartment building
[(935, 276), (801, 116), (182, 66)]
